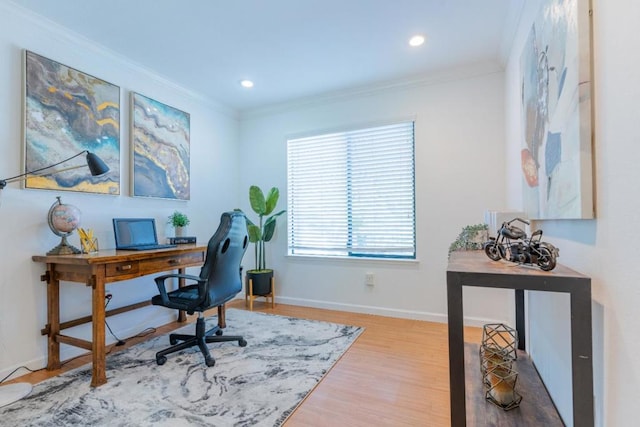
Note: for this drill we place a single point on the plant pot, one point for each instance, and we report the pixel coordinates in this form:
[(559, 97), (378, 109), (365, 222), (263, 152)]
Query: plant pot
[(261, 281), (180, 231)]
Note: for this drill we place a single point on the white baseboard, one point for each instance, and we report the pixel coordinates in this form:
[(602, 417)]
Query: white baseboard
[(383, 311)]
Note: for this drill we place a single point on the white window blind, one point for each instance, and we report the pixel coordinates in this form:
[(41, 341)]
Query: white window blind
[(353, 193)]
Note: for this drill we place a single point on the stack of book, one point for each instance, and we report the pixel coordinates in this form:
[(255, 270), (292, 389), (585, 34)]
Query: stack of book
[(182, 240)]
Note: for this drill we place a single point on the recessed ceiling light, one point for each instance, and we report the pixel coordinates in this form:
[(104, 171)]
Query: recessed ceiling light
[(246, 83), (416, 40)]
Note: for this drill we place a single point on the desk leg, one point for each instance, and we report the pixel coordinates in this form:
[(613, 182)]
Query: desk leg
[(182, 315), (53, 317), (222, 316), (456, 350), (98, 376), (582, 357)]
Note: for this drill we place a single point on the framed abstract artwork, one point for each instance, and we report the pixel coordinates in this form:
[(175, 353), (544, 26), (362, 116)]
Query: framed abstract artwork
[(66, 112), (160, 143), (557, 139)]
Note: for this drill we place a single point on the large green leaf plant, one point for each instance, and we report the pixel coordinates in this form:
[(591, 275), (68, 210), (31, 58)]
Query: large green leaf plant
[(263, 232)]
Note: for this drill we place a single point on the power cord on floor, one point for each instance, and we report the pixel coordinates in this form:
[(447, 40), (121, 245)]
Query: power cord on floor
[(120, 342), (15, 370), (143, 333), (106, 303)]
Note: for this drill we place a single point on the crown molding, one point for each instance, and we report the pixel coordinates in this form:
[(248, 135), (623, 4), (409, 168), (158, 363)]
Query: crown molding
[(458, 73), (514, 16), (64, 35)]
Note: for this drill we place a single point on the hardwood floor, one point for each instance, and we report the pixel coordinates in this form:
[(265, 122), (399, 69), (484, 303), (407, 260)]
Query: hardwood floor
[(395, 374)]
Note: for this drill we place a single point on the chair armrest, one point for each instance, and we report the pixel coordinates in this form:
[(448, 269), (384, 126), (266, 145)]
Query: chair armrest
[(177, 276), (160, 283)]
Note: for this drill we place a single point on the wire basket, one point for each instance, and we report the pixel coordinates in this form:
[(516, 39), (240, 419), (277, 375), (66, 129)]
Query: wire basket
[(497, 355)]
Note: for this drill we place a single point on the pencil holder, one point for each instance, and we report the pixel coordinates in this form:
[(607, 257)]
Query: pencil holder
[(89, 245)]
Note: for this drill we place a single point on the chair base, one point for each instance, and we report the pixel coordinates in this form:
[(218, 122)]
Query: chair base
[(201, 339)]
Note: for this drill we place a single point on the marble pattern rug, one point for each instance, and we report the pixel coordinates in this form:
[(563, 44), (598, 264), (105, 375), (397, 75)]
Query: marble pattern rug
[(257, 385)]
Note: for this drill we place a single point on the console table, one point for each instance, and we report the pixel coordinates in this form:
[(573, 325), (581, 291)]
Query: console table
[(96, 270), (474, 268)]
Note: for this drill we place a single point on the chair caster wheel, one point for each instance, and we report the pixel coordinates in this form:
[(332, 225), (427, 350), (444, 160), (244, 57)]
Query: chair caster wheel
[(161, 360), (242, 343), (219, 332), (209, 361)]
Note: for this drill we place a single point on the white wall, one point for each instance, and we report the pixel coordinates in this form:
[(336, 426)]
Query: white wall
[(462, 123), (604, 248), (23, 224), (459, 174)]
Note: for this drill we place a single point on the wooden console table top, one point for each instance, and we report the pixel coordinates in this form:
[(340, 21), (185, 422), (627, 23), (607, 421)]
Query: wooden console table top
[(479, 262)]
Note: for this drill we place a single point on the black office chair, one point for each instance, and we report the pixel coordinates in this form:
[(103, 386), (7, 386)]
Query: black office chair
[(219, 281)]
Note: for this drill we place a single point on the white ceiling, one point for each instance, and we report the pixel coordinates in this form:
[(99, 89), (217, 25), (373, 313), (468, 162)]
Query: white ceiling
[(290, 48)]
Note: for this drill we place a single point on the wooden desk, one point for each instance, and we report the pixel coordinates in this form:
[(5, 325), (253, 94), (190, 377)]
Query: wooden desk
[(474, 268), (96, 270)]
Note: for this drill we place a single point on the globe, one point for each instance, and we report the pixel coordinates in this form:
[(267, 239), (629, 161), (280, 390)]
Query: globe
[(63, 219)]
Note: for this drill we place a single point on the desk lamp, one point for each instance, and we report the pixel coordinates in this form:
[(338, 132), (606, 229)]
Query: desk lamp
[(10, 393), (95, 163)]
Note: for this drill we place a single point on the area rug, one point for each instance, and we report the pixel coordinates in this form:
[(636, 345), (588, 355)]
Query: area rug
[(257, 385)]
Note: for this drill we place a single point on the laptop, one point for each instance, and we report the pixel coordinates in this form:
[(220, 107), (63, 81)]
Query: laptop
[(137, 234)]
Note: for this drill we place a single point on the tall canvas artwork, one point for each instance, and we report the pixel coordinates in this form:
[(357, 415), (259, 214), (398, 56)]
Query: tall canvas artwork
[(161, 152), (66, 112), (557, 138)]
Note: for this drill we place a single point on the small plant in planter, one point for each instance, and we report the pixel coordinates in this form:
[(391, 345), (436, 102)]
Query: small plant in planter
[(471, 238), (260, 234), (178, 220)]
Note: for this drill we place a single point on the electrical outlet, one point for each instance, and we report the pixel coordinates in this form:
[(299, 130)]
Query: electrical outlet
[(369, 279)]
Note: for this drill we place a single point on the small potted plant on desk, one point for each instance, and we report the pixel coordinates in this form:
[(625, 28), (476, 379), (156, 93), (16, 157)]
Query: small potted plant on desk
[(259, 281), (179, 221)]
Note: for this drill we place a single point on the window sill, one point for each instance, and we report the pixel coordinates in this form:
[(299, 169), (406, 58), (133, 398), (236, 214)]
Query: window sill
[(350, 259)]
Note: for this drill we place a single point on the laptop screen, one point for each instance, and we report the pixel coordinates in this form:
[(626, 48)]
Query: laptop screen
[(134, 232)]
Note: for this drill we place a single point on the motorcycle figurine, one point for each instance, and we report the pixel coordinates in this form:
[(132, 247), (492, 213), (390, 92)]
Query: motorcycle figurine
[(512, 244)]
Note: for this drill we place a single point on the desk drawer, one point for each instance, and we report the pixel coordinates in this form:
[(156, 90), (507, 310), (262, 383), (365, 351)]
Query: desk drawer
[(122, 268), (171, 262)]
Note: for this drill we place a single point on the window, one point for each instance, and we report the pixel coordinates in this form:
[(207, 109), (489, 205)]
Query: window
[(353, 193)]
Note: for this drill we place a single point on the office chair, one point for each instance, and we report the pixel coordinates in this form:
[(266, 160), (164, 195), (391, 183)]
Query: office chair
[(219, 281)]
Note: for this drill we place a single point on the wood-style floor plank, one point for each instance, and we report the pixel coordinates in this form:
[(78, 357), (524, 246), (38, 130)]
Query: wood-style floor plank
[(395, 374)]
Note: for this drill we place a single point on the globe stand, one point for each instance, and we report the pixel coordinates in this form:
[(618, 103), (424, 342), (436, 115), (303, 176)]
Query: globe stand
[(62, 220), (64, 248)]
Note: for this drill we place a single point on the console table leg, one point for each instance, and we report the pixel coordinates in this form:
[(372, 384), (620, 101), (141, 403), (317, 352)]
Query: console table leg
[(581, 357), (456, 351), (520, 328)]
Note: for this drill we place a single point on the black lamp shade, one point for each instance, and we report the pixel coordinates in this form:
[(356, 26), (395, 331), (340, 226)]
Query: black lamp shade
[(96, 165)]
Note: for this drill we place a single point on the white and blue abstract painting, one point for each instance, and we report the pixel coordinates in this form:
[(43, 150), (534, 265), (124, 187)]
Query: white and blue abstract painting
[(160, 140), (556, 152)]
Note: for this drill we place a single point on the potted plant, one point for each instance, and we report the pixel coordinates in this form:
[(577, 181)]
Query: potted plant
[(179, 221), (471, 238), (261, 233)]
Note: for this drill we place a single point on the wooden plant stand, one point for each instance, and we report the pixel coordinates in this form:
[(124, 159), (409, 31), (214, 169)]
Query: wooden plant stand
[(249, 296)]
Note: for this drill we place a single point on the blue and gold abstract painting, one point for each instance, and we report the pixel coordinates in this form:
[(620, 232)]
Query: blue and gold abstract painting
[(160, 139), (67, 112)]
